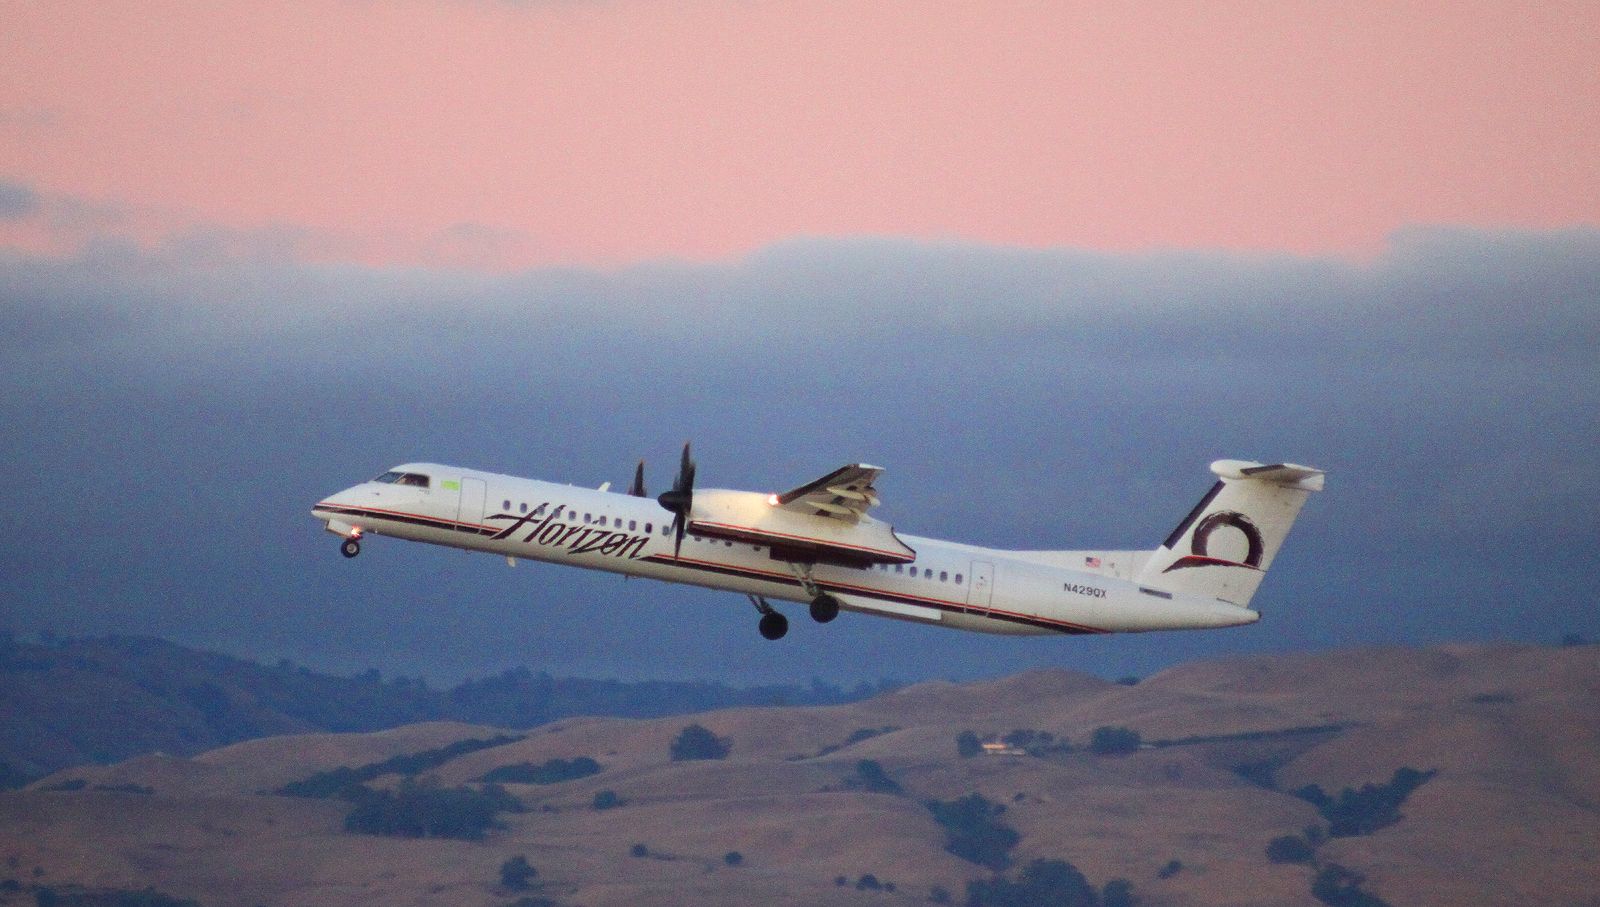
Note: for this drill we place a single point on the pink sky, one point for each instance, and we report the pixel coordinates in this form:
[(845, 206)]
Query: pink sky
[(508, 135)]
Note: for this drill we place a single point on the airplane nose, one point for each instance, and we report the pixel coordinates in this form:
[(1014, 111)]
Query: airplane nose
[(327, 506)]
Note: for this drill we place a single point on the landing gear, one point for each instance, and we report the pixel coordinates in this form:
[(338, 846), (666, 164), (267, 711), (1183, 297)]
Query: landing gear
[(773, 625), (350, 548), (824, 608)]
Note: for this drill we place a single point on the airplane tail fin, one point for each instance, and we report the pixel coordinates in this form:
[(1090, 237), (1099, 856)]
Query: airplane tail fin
[(1226, 543)]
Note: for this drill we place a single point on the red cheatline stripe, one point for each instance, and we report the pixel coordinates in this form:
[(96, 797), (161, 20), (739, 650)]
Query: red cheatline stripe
[(415, 516)]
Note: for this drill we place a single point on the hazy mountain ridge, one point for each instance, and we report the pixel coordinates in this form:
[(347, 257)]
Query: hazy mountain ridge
[(1511, 817), (109, 698)]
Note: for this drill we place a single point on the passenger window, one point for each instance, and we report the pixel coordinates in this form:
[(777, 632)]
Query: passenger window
[(649, 529), (899, 568), (588, 518), (633, 525), (523, 506), (538, 510), (927, 573), (505, 505), (602, 521), (958, 579), (944, 577)]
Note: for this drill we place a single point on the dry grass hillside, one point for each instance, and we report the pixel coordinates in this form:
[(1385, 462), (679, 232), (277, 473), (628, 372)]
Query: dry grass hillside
[(1512, 815)]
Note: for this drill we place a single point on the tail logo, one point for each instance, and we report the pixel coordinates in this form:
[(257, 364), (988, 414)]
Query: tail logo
[(1199, 543)]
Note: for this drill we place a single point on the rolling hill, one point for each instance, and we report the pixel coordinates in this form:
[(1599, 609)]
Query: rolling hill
[(1506, 741)]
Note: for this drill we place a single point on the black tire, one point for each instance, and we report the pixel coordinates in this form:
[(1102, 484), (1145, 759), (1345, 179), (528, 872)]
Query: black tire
[(824, 608), (773, 625), (350, 548)]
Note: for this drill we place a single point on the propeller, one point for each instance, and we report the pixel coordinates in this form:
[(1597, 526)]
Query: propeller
[(680, 499), (637, 488)]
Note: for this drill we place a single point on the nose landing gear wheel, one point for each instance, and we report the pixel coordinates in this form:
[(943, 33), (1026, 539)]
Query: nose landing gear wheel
[(824, 608), (350, 548), (774, 625)]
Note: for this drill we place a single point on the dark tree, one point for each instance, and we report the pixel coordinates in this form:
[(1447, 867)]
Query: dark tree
[(968, 745), (974, 831), (1172, 868), (1117, 893), (871, 777), (606, 799), (426, 810), (1290, 849), (939, 894), (516, 874), (733, 858), (1114, 741), (1054, 882), (1339, 887), (868, 882), (639, 850), (1364, 811), (553, 771), (696, 742)]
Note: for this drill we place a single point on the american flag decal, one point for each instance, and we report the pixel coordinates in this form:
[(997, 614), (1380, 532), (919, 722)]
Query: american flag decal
[(1091, 562)]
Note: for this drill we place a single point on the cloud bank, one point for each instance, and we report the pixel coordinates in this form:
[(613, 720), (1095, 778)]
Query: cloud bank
[(172, 413)]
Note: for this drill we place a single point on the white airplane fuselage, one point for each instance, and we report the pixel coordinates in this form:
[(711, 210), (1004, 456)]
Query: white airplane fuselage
[(949, 584)]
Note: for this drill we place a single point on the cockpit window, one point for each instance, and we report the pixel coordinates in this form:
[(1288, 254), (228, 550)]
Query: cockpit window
[(403, 478)]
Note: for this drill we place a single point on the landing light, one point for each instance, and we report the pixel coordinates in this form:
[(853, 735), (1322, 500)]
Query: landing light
[(772, 499)]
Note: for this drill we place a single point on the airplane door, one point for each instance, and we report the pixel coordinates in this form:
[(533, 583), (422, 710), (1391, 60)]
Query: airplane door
[(473, 493), (982, 587)]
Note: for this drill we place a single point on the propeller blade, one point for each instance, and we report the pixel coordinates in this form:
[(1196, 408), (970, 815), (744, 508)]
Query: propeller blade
[(680, 500), (637, 489)]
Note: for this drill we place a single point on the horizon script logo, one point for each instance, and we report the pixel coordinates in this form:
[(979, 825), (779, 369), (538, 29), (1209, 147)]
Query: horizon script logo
[(1200, 543), (575, 538)]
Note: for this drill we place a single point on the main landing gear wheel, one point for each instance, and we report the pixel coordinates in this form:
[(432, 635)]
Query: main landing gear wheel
[(774, 625), (824, 608), (350, 548)]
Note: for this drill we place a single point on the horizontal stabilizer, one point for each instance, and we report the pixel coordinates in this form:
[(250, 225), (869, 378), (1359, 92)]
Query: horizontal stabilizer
[(1289, 475)]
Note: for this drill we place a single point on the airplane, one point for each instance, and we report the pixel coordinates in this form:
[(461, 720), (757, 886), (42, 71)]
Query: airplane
[(816, 545)]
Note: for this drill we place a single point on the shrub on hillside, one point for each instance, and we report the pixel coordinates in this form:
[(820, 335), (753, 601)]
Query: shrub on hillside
[(1113, 741), (871, 778), (1364, 811), (345, 781), (1337, 886), (973, 830), (552, 771), (426, 810), (733, 858), (696, 742), (607, 799), (1054, 882), (516, 874), (1290, 849), (1117, 893)]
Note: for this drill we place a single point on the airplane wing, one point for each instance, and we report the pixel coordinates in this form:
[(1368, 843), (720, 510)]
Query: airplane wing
[(844, 494)]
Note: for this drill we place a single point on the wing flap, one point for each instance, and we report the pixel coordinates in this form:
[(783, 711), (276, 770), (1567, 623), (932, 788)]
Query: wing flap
[(844, 494)]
